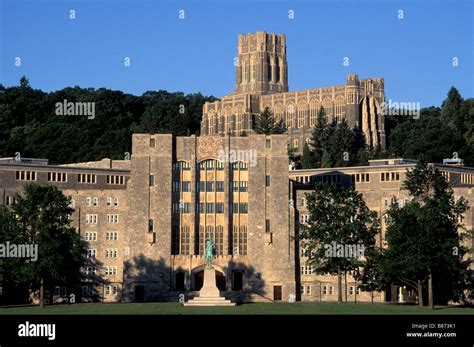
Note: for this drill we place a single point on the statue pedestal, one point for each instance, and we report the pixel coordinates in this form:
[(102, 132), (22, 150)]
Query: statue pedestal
[(209, 294)]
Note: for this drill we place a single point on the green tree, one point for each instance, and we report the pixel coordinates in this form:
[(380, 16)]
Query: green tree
[(307, 159), (320, 137), (12, 270), (451, 110), (423, 238), (344, 146), (43, 217), (265, 123), (24, 82), (338, 216)]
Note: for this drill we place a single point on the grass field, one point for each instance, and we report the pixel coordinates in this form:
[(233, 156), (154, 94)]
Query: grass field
[(251, 308)]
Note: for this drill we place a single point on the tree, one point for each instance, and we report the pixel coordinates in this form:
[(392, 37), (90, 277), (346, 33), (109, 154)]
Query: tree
[(265, 123), (43, 217), (12, 270), (320, 137), (451, 110), (344, 145), (307, 158), (423, 238), (24, 82), (338, 217)]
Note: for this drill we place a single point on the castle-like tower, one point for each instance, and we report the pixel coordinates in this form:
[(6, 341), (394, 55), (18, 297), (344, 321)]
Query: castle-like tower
[(262, 81), (262, 67)]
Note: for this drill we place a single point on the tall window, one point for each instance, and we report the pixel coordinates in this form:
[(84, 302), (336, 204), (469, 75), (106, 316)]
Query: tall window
[(277, 70), (240, 240), (175, 240), (254, 70), (219, 240), (327, 104), (339, 107), (185, 237), (269, 69), (246, 72), (313, 113), (290, 116), (302, 111)]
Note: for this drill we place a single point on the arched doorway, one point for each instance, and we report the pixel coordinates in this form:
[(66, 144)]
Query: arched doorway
[(238, 281), (199, 279), (179, 281)]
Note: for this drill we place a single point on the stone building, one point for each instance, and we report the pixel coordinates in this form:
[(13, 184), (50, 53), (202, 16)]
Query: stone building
[(145, 220), (262, 81)]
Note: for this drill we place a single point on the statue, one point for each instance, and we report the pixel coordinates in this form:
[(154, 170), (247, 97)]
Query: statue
[(209, 251)]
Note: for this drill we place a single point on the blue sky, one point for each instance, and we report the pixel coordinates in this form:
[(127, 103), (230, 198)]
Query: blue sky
[(196, 54)]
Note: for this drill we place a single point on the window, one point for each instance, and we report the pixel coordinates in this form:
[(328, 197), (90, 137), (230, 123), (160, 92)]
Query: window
[(111, 253), (8, 200), (112, 218), (302, 202), (116, 201), (209, 207), (109, 201), (95, 202), (91, 219), (186, 186), (115, 179), (267, 181), (152, 143), (87, 178), (175, 207), (181, 166), (185, 237), (389, 176), (327, 290), (243, 186), (210, 186), (201, 187), (363, 177), (88, 202), (219, 207), (296, 143), (304, 218), (110, 270), (90, 236), (243, 208), (91, 253), (152, 180), (306, 270), (26, 175), (57, 177), (239, 240), (467, 178), (111, 236), (267, 226), (175, 240), (219, 186), (176, 186), (235, 186)]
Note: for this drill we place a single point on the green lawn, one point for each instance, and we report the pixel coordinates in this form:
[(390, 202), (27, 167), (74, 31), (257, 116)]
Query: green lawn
[(253, 308)]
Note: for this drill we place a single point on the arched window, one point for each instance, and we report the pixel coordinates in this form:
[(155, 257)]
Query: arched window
[(327, 104), (313, 113), (302, 111), (339, 106), (279, 112), (290, 116), (253, 64), (296, 143)]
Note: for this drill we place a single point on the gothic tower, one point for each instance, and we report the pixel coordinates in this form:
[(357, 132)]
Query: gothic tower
[(261, 67)]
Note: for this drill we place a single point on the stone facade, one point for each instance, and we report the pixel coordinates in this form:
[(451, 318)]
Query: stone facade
[(262, 81), (147, 237)]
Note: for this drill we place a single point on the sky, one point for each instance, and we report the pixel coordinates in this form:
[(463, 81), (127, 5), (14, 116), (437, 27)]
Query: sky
[(415, 54)]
